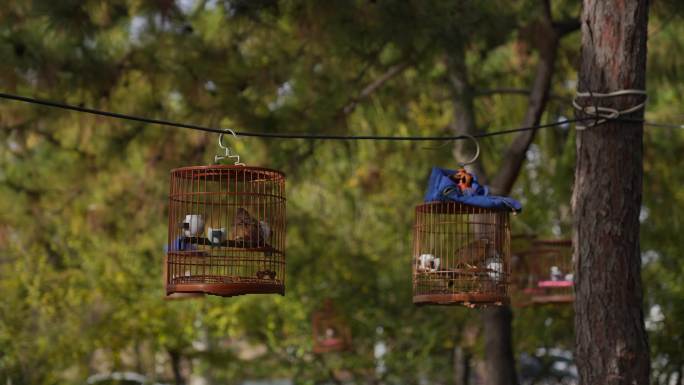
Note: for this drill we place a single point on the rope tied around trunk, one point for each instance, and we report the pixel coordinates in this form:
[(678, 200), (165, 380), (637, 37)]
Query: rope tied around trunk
[(603, 114)]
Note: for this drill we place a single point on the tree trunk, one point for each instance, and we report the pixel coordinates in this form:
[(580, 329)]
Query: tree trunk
[(499, 356), (499, 362), (611, 341), (500, 359), (176, 367), (461, 363)]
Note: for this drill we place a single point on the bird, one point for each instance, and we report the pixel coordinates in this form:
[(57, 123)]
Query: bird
[(473, 251), (569, 277), (247, 229)]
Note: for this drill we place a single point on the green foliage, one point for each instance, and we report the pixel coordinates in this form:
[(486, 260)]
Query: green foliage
[(83, 198)]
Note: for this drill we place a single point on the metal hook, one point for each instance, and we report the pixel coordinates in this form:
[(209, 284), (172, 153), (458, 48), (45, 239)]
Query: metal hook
[(477, 151), (227, 153)]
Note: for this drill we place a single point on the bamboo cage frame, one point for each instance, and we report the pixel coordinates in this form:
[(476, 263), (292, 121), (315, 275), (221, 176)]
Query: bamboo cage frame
[(226, 232), (461, 255)]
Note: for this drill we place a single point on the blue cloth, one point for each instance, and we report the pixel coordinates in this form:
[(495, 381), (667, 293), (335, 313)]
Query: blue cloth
[(180, 244), (442, 189)]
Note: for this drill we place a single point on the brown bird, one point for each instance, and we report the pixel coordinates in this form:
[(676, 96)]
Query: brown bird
[(245, 228)]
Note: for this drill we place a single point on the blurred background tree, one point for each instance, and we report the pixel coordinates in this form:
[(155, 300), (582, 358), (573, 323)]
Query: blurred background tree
[(82, 214)]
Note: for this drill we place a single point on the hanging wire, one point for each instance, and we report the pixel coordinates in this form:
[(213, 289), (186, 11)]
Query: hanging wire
[(269, 135)]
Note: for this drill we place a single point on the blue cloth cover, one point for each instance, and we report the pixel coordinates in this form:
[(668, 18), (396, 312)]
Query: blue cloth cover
[(179, 244), (442, 189)]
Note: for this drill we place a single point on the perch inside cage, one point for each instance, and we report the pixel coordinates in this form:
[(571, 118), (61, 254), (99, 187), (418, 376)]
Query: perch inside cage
[(330, 332), (461, 254), (545, 274), (226, 232)]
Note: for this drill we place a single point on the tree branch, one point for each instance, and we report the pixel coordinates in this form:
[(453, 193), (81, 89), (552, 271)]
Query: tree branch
[(463, 121), (516, 91), (374, 85), (502, 183)]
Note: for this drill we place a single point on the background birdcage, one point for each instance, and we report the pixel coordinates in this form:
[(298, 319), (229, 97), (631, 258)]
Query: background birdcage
[(226, 231), (543, 273), (461, 255), (330, 331)]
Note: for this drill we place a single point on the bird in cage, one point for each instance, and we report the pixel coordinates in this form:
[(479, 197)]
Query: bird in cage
[(569, 277), (556, 273), (192, 225), (473, 251), (428, 263), (246, 228)]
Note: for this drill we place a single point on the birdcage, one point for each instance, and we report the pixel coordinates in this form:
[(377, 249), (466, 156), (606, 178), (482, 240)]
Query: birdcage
[(226, 232), (544, 273), (461, 255), (330, 332)]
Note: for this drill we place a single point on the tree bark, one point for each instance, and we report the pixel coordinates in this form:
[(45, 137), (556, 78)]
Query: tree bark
[(611, 340)]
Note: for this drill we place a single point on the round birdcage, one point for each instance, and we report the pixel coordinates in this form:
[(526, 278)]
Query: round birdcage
[(330, 332), (461, 255), (544, 274), (226, 231)]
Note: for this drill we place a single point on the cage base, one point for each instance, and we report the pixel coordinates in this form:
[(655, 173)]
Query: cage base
[(465, 299), (553, 299), (337, 347), (181, 296), (226, 289)]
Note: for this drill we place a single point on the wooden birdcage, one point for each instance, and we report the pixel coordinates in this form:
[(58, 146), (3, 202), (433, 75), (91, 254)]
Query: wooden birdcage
[(544, 273), (226, 231), (330, 332), (461, 255)]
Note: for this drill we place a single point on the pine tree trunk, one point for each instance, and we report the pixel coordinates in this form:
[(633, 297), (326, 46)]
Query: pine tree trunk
[(611, 341), (500, 363)]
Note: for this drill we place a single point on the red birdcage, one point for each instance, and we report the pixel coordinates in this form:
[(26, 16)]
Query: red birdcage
[(544, 274), (330, 332), (461, 255), (226, 231)]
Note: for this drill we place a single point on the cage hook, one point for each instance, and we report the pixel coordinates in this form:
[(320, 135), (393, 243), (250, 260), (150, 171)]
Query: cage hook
[(477, 151), (227, 152)]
